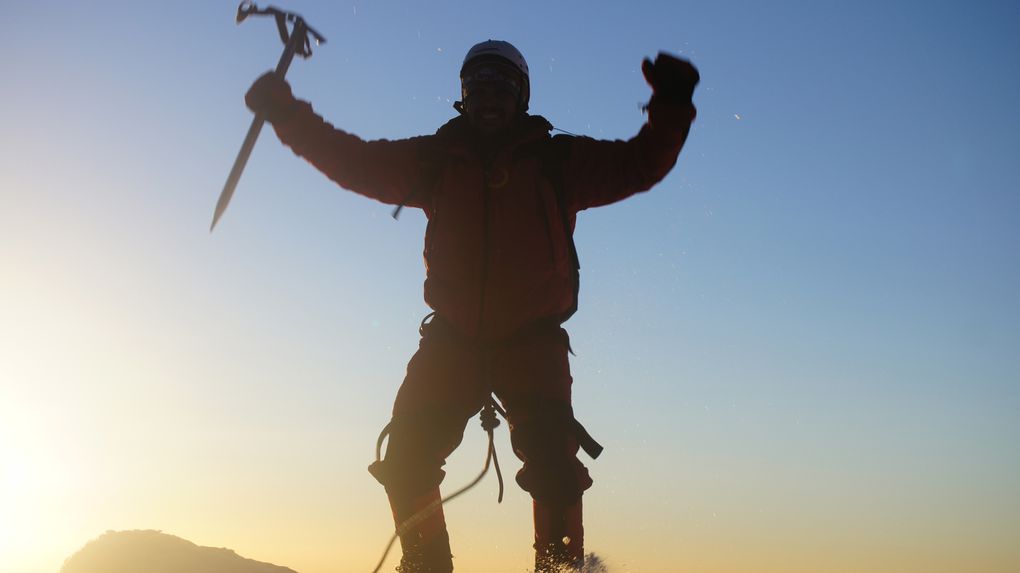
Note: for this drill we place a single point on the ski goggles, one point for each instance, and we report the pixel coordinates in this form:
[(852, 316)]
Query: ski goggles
[(491, 74)]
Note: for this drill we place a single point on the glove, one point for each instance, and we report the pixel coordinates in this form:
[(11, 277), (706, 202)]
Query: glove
[(271, 95), (672, 79)]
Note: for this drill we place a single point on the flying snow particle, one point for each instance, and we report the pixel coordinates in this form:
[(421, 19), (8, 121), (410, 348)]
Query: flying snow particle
[(594, 564)]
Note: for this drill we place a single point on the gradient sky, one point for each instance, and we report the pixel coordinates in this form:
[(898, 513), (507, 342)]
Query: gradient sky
[(800, 350)]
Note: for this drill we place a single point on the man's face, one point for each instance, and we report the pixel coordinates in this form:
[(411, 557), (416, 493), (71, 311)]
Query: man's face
[(491, 92), (491, 109)]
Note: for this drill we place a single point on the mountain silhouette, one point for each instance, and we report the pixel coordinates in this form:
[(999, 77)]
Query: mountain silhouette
[(147, 551), (150, 551)]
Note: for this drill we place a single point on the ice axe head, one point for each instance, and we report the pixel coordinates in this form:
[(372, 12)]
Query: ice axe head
[(244, 10), (300, 30)]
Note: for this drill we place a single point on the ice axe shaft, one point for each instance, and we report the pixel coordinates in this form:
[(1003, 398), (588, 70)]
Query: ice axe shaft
[(296, 42), (249, 140)]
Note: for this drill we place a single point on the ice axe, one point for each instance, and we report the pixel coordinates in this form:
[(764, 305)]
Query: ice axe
[(296, 41)]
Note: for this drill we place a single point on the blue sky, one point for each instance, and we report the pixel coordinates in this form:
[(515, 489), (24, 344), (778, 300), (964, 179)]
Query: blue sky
[(800, 349)]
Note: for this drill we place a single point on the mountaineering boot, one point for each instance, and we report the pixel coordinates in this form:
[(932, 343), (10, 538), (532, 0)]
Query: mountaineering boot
[(425, 542), (559, 537), (433, 557)]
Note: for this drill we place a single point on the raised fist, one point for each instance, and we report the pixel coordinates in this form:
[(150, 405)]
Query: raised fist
[(272, 96), (672, 78)]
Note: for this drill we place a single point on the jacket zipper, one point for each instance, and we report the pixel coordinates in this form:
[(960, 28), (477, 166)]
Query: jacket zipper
[(485, 247)]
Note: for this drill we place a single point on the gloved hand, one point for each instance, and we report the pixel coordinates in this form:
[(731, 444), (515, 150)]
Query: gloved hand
[(272, 96), (672, 79)]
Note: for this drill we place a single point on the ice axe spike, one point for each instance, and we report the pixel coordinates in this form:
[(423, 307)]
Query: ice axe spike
[(296, 41)]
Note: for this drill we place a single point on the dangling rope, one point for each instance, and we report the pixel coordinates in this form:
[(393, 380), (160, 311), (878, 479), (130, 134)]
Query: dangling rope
[(489, 423)]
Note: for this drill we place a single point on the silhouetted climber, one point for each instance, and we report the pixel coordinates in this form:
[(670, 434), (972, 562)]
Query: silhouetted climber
[(501, 196)]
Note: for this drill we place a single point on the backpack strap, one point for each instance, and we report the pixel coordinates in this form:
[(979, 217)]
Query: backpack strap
[(553, 155)]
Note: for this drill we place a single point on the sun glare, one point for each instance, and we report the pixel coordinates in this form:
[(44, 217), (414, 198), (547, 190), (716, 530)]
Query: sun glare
[(40, 481), (27, 483)]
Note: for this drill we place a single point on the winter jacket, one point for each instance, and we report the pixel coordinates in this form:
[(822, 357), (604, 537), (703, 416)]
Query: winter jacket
[(497, 256)]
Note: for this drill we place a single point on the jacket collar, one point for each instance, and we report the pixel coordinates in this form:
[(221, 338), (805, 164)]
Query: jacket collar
[(457, 134)]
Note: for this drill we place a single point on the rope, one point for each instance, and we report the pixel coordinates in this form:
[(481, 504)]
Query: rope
[(489, 423)]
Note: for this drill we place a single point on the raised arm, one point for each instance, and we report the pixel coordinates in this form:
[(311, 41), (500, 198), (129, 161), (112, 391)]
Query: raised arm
[(599, 172), (388, 171)]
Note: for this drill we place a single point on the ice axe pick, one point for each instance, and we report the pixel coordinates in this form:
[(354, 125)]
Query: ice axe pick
[(296, 41)]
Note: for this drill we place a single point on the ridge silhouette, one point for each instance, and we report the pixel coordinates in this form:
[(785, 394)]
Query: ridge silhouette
[(151, 551)]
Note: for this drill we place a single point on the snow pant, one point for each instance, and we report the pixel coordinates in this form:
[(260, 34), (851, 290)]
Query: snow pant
[(448, 381)]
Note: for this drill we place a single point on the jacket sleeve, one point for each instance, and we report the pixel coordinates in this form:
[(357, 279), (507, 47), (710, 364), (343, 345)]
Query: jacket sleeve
[(600, 172), (388, 171)]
